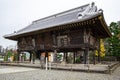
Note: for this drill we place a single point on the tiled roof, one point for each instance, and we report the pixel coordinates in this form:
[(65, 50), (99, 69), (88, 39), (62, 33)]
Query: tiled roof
[(77, 14)]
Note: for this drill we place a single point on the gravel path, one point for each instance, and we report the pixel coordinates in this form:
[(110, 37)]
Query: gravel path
[(38, 74)]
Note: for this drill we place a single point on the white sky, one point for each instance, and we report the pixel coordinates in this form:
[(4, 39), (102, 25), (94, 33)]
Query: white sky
[(16, 14)]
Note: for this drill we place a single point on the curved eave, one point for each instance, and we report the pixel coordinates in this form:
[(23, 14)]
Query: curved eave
[(9, 36), (104, 32), (104, 25)]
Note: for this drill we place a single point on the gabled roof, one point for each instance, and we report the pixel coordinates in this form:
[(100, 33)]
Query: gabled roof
[(77, 14)]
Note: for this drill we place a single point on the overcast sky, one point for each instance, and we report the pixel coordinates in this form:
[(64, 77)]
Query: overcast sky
[(16, 14)]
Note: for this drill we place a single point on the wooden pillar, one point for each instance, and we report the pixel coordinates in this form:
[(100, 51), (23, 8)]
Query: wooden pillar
[(39, 56), (87, 42), (34, 56), (55, 56), (64, 57), (30, 57), (18, 56), (94, 60), (66, 54), (42, 59), (46, 54), (86, 52), (98, 56), (74, 55), (33, 59), (46, 60)]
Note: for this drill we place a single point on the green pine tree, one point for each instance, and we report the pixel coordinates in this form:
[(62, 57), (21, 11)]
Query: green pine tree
[(113, 43)]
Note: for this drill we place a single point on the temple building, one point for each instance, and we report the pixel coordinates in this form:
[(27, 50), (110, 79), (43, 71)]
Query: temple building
[(72, 32)]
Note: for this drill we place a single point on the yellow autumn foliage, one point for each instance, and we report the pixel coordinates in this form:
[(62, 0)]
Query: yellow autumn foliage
[(96, 52), (102, 49)]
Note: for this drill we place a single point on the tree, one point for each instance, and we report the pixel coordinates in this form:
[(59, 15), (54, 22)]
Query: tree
[(113, 43), (102, 49), (8, 54), (59, 56)]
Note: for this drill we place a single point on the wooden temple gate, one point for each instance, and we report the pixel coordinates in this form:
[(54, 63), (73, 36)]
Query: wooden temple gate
[(67, 38), (75, 30)]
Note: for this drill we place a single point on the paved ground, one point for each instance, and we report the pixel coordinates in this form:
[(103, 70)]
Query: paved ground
[(10, 69), (102, 68), (20, 73)]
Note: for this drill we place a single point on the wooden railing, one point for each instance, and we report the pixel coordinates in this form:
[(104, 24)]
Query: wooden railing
[(51, 47), (25, 47), (37, 47)]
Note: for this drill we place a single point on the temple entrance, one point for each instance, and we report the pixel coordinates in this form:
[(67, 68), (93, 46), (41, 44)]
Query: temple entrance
[(24, 57)]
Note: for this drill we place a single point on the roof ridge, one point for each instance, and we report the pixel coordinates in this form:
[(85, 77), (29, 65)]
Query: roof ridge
[(61, 13)]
